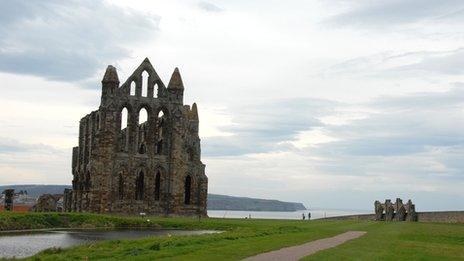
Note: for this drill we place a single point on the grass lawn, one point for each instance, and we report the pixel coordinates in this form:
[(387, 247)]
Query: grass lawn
[(401, 241), (242, 238)]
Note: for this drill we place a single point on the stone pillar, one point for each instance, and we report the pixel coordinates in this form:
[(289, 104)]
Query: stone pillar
[(400, 214), (389, 210), (378, 211), (67, 200), (9, 195), (411, 214)]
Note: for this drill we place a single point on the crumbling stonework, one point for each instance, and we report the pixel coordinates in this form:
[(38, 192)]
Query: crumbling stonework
[(9, 194), (49, 203), (67, 199), (395, 211), (152, 167)]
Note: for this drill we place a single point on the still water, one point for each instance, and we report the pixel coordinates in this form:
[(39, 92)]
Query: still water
[(315, 214), (27, 244)]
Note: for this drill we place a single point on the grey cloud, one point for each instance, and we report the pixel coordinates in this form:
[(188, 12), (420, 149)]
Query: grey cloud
[(411, 64), (11, 146), (451, 63), (207, 6), (417, 136), (36, 163), (423, 101), (68, 41), (408, 136), (260, 127), (404, 125), (389, 13)]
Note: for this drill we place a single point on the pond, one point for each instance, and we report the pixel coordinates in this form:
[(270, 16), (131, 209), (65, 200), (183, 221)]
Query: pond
[(24, 244)]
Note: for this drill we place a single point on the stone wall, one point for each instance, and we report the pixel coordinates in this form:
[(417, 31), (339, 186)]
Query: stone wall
[(433, 216), (441, 216), (363, 217)]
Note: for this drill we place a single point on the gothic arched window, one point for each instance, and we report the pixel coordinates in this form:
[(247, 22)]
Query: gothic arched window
[(161, 132), (139, 186), (157, 185), (155, 90), (144, 84), (142, 149), (124, 118), (187, 190), (132, 89), (143, 116)]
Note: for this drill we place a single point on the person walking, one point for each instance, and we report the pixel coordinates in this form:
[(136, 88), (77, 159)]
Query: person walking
[(304, 217)]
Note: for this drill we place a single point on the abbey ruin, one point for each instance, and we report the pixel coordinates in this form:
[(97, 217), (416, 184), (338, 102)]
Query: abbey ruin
[(140, 151), (395, 211)]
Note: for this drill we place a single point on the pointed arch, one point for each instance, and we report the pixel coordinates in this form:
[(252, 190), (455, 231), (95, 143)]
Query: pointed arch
[(142, 149), (160, 114), (143, 115), (156, 87), (157, 185), (161, 132), (139, 186), (132, 89), (144, 80), (124, 118), (187, 189)]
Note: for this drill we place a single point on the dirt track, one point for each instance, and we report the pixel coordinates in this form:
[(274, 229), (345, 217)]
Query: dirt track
[(297, 252)]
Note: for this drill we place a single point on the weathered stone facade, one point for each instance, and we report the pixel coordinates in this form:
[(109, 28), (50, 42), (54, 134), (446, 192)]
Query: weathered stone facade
[(152, 167), (395, 211)]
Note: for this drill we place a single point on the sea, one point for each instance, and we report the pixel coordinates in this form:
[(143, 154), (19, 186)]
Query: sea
[(315, 214)]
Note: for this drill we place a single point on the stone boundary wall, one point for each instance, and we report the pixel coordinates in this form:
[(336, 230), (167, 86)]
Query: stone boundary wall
[(352, 217), (441, 216), (432, 216)]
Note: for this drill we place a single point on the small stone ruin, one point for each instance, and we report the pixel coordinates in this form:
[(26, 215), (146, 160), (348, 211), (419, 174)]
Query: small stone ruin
[(397, 211), (49, 203), (9, 194)]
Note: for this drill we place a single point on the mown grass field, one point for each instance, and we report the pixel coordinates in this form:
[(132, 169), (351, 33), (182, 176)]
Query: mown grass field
[(242, 238)]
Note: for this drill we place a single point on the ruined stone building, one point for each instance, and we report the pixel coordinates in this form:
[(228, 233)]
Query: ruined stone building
[(397, 211), (140, 151)]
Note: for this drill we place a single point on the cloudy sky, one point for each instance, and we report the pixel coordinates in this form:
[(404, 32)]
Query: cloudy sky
[(330, 103)]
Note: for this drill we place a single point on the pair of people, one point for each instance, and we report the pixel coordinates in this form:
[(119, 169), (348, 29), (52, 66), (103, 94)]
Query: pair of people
[(309, 216)]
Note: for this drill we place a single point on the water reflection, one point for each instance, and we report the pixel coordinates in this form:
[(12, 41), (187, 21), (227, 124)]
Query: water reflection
[(27, 244)]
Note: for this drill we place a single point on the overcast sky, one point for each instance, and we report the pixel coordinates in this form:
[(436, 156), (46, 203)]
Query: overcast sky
[(331, 103)]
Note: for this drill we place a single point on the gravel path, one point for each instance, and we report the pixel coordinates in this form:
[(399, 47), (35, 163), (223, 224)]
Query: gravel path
[(297, 252)]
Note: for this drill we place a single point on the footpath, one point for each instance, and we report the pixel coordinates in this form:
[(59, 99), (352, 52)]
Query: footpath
[(296, 252)]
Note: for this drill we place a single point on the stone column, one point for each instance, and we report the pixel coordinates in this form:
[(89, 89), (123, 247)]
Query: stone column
[(9, 195)]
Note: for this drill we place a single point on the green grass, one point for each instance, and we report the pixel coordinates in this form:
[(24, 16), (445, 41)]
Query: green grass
[(22, 221), (242, 238), (401, 241)]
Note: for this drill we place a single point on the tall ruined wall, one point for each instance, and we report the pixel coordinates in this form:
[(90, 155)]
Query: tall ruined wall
[(153, 166)]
